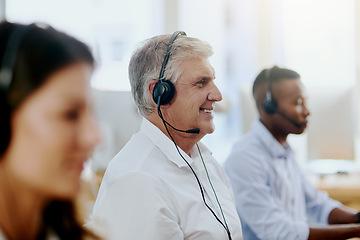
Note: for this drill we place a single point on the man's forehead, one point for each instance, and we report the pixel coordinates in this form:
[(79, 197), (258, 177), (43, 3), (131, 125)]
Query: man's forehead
[(286, 86), (197, 67)]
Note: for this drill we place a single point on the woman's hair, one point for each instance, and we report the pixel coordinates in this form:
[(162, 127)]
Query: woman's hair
[(42, 51), (146, 61)]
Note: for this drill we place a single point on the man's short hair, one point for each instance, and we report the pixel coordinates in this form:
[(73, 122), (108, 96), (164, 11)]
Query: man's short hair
[(146, 61), (276, 73)]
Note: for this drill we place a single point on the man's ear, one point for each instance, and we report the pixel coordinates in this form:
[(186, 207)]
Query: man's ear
[(151, 90), (151, 86)]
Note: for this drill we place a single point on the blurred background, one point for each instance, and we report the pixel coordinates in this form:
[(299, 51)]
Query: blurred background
[(320, 39)]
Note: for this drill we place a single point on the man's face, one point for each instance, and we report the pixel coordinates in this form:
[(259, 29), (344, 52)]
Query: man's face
[(291, 101), (196, 93)]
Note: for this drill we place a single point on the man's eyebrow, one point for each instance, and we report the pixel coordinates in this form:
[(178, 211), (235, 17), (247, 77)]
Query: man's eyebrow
[(207, 78)]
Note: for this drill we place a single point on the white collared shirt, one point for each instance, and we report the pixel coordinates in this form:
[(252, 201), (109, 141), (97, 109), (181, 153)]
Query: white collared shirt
[(2, 235), (273, 198), (149, 193), (50, 236)]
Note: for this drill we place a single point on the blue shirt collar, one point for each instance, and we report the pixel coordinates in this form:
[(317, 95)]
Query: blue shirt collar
[(272, 146)]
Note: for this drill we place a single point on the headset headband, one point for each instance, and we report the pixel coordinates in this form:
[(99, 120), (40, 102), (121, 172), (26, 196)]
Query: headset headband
[(167, 55), (10, 55), (268, 85)]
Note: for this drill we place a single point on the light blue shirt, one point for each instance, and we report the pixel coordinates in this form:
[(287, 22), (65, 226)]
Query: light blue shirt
[(273, 198)]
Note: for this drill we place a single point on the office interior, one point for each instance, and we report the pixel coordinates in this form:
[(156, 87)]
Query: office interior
[(320, 39)]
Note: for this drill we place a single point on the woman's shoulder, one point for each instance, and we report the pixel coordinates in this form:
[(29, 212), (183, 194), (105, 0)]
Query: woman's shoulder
[(2, 235)]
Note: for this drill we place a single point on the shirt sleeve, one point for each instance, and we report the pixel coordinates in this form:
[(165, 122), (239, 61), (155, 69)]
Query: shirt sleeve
[(135, 207), (254, 201), (318, 203)]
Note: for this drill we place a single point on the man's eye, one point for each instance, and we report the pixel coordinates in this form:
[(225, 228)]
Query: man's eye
[(201, 82), (72, 115), (300, 102)]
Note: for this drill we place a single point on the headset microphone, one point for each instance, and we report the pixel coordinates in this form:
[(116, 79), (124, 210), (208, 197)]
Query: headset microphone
[(270, 104), (288, 118), (193, 131), (164, 90)]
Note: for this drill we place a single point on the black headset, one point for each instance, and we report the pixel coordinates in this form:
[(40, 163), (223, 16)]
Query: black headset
[(10, 55), (7, 69), (164, 90), (270, 103)]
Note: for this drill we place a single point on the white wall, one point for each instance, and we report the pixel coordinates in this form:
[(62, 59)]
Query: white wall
[(118, 120), (317, 38), (2, 10), (112, 28)]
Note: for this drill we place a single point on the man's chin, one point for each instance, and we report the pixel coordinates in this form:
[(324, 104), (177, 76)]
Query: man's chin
[(208, 130), (300, 131)]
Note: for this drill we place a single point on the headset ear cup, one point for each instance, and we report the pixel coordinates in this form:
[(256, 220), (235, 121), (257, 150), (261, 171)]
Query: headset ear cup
[(165, 90), (270, 106), (4, 123)]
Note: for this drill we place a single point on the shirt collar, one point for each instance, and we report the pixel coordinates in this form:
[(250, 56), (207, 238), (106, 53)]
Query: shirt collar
[(206, 154), (167, 146), (275, 149)]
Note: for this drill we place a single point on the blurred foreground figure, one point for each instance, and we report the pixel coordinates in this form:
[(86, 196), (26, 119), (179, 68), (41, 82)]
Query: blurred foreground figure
[(47, 131)]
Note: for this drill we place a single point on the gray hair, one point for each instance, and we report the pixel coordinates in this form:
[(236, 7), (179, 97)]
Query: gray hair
[(146, 61)]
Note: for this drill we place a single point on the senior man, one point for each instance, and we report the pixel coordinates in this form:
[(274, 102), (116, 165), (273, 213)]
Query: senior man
[(165, 184)]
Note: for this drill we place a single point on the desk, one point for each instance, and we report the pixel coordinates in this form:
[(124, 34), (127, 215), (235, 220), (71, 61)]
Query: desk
[(342, 187), (85, 200)]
